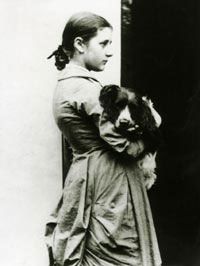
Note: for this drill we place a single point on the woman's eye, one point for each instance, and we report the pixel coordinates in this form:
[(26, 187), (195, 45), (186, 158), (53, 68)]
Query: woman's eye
[(104, 43)]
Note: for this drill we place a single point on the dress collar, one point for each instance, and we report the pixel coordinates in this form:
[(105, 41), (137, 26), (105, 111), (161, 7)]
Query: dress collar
[(75, 71)]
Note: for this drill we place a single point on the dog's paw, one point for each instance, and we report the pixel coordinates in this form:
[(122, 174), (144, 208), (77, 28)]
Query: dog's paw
[(150, 179), (148, 166), (148, 162)]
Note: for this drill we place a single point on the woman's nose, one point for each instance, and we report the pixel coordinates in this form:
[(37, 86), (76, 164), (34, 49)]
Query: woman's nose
[(109, 51)]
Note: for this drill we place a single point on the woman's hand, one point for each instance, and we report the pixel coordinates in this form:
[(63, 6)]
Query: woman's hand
[(133, 128)]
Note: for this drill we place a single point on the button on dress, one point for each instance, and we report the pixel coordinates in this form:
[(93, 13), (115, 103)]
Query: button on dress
[(103, 217)]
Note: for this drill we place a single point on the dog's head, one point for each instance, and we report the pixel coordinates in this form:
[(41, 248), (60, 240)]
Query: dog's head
[(125, 108), (115, 102)]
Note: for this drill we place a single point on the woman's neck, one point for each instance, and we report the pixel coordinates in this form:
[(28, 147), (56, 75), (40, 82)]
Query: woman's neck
[(77, 62)]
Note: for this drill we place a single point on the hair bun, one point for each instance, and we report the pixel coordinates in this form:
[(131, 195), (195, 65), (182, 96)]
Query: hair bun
[(61, 58)]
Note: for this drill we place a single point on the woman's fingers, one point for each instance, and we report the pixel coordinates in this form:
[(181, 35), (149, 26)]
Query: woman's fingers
[(133, 128)]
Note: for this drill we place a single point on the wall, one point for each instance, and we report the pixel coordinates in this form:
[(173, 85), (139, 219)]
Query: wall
[(30, 143)]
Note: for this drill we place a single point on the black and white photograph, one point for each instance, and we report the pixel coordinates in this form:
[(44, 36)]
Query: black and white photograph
[(100, 133)]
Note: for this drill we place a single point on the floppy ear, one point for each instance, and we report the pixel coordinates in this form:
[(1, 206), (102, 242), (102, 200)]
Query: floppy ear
[(147, 116), (108, 95)]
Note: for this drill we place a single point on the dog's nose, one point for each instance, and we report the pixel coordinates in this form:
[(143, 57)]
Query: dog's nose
[(124, 122)]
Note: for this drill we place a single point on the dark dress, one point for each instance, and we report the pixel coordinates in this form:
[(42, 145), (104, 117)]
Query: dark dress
[(104, 217)]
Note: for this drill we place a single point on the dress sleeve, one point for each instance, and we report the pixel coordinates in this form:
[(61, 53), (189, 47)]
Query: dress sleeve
[(90, 104), (117, 141)]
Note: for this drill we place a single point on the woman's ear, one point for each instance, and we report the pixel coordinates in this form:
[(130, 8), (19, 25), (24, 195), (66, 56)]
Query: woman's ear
[(79, 45)]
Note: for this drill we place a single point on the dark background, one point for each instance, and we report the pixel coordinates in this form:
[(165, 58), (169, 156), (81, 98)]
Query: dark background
[(161, 57)]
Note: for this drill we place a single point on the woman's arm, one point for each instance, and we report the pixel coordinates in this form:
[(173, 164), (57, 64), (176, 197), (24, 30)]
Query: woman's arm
[(119, 143), (90, 104), (83, 95)]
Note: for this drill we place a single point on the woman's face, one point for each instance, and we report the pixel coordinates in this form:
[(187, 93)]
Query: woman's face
[(98, 50)]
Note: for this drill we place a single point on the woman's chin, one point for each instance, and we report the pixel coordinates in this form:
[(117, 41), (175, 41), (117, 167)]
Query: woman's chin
[(99, 68)]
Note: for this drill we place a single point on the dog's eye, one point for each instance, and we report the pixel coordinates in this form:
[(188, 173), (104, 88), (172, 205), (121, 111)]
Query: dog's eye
[(132, 105), (121, 104), (133, 109)]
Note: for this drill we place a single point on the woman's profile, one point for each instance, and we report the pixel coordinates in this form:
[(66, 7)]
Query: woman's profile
[(104, 217)]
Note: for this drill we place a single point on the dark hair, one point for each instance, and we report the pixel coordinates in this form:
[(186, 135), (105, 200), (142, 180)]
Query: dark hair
[(84, 25)]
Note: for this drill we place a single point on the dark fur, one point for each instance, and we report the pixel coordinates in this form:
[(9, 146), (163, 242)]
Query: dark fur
[(113, 99)]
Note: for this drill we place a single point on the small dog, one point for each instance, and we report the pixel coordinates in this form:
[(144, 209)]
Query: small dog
[(135, 118)]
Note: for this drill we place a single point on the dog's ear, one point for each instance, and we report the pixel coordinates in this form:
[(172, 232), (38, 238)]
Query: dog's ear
[(147, 117), (108, 94)]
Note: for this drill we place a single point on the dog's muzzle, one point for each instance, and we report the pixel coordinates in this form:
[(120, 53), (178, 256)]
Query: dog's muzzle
[(124, 120)]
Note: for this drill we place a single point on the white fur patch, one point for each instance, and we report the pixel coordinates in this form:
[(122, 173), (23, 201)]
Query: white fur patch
[(155, 114), (123, 117), (148, 166)]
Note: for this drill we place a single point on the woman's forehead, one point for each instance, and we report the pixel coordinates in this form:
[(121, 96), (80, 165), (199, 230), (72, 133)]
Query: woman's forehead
[(104, 34)]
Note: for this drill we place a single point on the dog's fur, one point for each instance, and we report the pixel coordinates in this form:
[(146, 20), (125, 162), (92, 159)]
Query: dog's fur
[(135, 118)]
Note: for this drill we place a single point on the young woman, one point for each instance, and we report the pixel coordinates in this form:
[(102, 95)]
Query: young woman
[(104, 217)]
